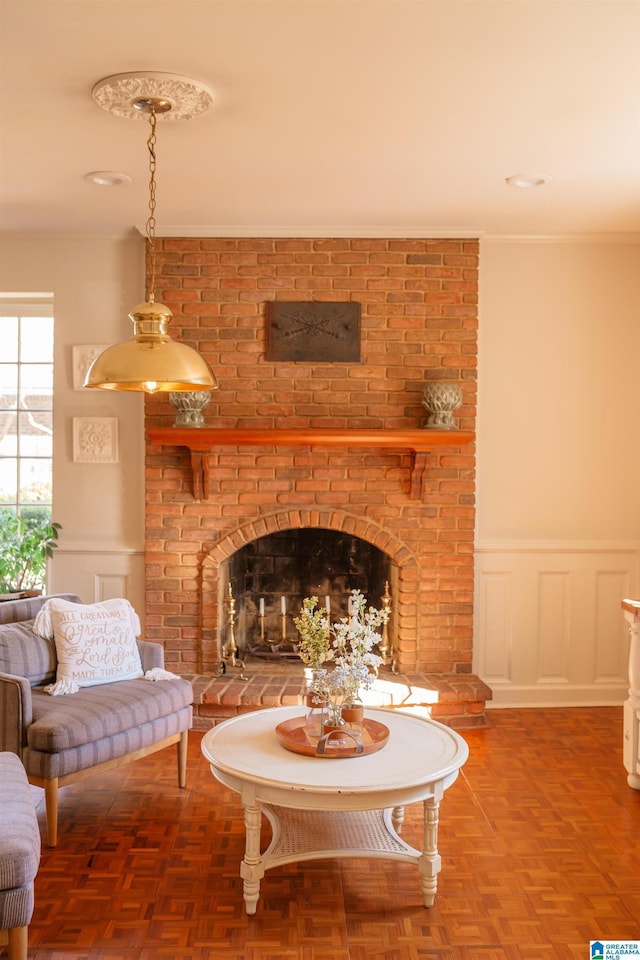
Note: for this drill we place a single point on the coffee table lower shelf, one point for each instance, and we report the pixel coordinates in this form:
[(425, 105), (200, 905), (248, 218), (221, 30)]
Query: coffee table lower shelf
[(317, 835)]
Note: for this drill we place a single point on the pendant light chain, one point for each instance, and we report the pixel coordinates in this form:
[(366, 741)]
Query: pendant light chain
[(151, 362), (151, 219)]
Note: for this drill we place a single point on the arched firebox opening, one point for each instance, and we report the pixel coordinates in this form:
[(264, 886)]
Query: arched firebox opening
[(392, 555), (269, 577)]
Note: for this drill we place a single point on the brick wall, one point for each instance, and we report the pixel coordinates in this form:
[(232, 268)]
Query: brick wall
[(419, 322)]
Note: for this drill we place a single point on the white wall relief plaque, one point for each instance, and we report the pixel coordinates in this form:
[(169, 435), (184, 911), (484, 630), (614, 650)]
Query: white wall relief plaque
[(83, 356), (95, 439)]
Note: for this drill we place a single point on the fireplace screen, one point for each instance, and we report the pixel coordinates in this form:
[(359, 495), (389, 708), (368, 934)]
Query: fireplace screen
[(270, 577)]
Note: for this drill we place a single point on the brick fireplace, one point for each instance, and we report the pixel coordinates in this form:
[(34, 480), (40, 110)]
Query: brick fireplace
[(310, 445)]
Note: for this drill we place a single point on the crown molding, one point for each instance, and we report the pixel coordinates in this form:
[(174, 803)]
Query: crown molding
[(614, 238), (305, 232), (203, 232)]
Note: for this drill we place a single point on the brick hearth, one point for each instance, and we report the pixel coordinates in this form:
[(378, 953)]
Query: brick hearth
[(458, 701)]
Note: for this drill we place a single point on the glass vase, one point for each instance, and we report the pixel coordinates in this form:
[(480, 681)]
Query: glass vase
[(315, 716), (333, 713)]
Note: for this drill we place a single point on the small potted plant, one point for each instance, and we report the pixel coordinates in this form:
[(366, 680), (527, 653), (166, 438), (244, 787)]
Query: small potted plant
[(26, 541)]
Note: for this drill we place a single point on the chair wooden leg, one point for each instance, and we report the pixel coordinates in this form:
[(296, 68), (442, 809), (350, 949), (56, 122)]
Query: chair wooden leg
[(182, 758), (18, 943), (51, 804)]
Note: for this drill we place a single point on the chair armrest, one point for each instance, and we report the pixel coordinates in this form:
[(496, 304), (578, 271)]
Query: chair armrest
[(16, 714), (151, 654)]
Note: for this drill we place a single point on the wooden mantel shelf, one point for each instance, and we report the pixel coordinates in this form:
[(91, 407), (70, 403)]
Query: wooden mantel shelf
[(202, 441)]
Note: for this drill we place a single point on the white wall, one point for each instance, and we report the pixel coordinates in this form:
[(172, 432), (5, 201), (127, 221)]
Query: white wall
[(94, 282), (558, 528)]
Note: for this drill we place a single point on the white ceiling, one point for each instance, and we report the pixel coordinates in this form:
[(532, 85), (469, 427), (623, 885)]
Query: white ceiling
[(331, 117)]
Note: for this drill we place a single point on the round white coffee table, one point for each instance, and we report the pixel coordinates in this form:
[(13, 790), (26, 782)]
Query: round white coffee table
[(320, 808)]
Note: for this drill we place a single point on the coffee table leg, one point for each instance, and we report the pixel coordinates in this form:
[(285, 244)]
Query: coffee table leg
[(252, 868), (430, 863), (397, 818)]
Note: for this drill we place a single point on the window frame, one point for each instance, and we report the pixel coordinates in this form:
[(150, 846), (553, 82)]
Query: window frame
[(31, 305)]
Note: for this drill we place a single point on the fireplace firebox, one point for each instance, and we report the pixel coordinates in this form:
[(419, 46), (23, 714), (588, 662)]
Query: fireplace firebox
[(270, 577)]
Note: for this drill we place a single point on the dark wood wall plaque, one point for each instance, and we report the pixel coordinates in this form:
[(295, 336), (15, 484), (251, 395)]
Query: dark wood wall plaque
[(313, 332)]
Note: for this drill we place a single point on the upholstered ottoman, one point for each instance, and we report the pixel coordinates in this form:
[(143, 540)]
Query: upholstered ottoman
[(19, 854)]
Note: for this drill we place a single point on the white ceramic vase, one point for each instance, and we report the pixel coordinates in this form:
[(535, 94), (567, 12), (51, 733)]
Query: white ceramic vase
[(190, 405), (441, 399)]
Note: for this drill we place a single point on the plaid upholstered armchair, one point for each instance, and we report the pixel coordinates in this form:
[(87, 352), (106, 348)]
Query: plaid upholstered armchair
[(19, 856), (62, 739)]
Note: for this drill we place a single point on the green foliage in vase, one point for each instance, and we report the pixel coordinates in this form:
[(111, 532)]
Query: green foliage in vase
[(313, 628)]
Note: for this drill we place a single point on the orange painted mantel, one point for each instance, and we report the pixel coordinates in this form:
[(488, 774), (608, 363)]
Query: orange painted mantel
[(201, 441)]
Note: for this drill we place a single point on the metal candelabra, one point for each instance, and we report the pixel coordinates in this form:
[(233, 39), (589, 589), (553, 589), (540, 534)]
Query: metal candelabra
[(273, 645), (385, 647), (229, 648)]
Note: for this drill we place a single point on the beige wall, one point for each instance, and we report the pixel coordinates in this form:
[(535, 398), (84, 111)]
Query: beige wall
[(558, 513), (94, 283), (559, 395)]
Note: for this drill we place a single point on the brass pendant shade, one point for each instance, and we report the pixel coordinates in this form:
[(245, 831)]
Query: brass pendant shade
[(151, 361)]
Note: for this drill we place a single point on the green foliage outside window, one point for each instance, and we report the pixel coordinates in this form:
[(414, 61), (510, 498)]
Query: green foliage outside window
[(26, 541)]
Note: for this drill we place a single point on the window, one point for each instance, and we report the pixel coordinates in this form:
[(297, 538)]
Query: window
[(26, 409)]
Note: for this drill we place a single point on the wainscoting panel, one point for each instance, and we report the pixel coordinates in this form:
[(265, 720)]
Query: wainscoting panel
[(612, 637), (494, 607), (553, 625), (109, 585), (98, 573), (549, 628)]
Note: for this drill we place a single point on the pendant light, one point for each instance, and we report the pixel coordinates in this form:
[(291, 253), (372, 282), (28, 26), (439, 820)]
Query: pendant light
[(151, 361)]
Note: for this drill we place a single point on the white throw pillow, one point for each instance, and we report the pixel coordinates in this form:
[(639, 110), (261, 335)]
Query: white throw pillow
[(95, 643)]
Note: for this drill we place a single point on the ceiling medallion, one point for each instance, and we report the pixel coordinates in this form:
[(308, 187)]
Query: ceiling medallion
[(175, 97)]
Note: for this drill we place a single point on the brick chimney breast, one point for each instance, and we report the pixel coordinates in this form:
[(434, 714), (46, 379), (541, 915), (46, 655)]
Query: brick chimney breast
[(418, 322)]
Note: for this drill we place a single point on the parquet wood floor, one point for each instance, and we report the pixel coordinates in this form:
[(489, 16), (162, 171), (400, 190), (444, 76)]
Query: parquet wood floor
[(540, 840)]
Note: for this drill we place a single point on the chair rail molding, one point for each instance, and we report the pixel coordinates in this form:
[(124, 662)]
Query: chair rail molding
[(557, 546), (95, 548)]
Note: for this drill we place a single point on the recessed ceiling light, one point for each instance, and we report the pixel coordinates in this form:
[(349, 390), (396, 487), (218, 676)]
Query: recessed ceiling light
[(107, 178), (528, 180)]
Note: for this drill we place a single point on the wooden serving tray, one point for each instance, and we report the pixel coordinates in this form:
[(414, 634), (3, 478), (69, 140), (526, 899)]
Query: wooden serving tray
[(292, 735)]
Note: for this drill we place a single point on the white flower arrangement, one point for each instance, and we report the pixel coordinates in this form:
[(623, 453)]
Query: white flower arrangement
[(347, 645)]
